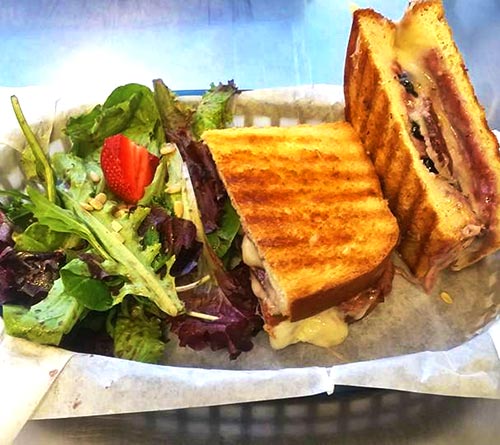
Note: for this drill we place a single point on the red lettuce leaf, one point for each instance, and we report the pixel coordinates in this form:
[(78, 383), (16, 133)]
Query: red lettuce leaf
[(235, 305), (208, 187), (26, 277), (178, 237)]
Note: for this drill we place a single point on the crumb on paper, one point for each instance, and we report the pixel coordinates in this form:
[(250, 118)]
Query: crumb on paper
[(446, 297), (53, 373), (77, 403)]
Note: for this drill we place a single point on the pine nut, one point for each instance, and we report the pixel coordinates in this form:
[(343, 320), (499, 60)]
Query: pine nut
[(97, 205), (86, 206), (173, 188), (101, 197), (178, 209), (94, 177), (167, 148)]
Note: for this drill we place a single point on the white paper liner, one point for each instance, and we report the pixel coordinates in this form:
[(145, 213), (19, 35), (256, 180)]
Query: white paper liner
[(27, 371), (382, 350)]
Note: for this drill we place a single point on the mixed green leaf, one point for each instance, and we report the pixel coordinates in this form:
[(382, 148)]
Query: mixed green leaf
[(108, 273)]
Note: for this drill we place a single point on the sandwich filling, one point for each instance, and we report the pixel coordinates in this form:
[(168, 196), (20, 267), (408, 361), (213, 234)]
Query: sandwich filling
[(327, 328), (442, 133)]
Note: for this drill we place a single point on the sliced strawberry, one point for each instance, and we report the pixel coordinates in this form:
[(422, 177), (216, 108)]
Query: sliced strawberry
[(128, 168)]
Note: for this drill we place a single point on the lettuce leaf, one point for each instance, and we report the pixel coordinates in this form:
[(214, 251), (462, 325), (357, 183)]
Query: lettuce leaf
[(174, 113), (41, 238), (47, 321), (222, 238), (154, 192), (137, 335), (123, 252), (62, 220), (227, 295), (38, 165), (88, 291), (233, 302), (129, 110), (74, 173), (214, 110), (91, 334), (26, 278)]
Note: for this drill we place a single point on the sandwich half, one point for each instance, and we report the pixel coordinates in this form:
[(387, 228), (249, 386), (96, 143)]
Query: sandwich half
[(318, 233), (409, 98)]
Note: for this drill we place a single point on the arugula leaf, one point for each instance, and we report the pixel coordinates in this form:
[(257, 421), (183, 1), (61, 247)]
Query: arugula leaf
[(62, 220), (137, 336), (41, 238), (78, 282), (47, 321), (130, 110), (127, 257), (174, 113), (214, 111), (222, 238)]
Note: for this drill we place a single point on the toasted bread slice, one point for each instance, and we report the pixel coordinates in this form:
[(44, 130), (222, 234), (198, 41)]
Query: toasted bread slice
[(310, 201), (402, 79)]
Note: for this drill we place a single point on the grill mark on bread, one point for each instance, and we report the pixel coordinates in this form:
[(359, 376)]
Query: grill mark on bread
[(278, 176), (396, 168), (399, 200), (374, 127), (311, 261), (357, 82), (369, 78), (307, 156), (314, 220), (413, 198), (390, 152), (430, 219), (275, 196)]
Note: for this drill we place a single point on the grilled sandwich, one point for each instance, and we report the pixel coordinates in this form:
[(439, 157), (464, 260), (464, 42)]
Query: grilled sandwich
[(318, 233), (409, 98)]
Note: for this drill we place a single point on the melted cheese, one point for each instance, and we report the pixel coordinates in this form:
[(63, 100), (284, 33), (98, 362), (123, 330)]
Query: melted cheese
[(257, 288), (249, 253), (411, 46), (325, 329)]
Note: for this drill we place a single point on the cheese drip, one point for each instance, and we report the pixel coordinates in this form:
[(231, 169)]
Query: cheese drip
[(249, 253), (325, 329)]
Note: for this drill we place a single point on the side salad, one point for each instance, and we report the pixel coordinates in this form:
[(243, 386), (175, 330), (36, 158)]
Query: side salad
[(129, 236)]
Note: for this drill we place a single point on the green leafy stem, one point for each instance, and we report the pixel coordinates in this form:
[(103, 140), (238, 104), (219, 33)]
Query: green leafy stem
[(48, 173)]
